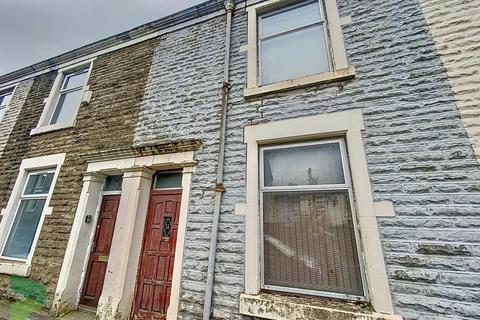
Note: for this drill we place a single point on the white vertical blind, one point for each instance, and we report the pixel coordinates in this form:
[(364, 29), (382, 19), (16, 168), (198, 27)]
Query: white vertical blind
[(309, 242), (309, 238)]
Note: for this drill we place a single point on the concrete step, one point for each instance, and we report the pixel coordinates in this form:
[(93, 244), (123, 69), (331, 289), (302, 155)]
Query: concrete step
[(21, 311)]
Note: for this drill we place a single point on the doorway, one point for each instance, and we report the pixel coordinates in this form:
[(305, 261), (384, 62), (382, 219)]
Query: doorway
[(100, 250), (154, 281)]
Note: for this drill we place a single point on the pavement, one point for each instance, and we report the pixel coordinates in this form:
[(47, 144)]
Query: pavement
[(24, 311)]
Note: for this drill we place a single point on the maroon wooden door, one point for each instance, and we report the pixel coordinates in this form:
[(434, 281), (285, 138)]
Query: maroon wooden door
[(97, 264), (154, 281)]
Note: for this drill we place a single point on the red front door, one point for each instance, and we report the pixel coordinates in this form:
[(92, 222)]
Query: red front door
[(97, 264), (158, 253)]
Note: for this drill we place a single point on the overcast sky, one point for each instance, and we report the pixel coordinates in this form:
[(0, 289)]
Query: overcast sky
[(35, 30)]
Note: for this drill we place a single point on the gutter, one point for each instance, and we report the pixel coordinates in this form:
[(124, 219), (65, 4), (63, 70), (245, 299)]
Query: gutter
[(219, 187), (196, 12)]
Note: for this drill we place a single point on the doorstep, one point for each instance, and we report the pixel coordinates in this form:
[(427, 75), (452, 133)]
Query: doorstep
[(23, 310), (288, 307), (78, 315)]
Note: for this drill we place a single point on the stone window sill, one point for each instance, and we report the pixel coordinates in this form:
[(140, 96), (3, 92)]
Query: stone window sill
[(287, 307), (297, 83), (52, 127), (15, 267)]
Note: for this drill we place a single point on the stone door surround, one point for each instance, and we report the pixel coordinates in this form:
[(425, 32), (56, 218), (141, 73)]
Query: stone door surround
[(118, 291)]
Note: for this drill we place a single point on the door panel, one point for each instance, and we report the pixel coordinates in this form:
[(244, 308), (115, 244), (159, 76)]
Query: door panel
[(158, 255), (97, 263)]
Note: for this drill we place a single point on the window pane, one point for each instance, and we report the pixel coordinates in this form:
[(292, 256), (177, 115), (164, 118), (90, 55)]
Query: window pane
[(304, 165), (23, 230), (113, 183), (2, 112), (309, 242), (290, 19), (293, 55), (39, 183), (168, 180), (5, 99), (66, 106), (74, 80), (167, 227)]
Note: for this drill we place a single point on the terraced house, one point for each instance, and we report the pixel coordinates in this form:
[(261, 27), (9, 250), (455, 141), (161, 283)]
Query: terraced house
[(252, 160)]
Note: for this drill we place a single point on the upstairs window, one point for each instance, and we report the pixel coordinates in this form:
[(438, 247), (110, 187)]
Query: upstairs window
[(309, 231), (69, 91), (5, 98), (69, 96), (293, 43)]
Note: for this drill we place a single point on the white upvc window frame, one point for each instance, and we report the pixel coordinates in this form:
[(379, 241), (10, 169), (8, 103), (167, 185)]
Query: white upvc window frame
[(262, 38), (23, 196), (335, 43), (4, 92), (52, 163), (346, 186), (346, 124), (67, 91), (44, 124)]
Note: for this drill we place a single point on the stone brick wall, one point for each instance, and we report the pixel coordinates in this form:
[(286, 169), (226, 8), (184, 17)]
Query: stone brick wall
[(418, 153), (455, 29), (118, 80), (8, 121)]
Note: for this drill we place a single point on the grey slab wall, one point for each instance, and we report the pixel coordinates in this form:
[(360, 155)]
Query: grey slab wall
[(455, 28), (418, 153)]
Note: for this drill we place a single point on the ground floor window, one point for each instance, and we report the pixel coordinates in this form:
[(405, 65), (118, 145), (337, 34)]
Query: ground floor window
[(29, 212), (309, 229)]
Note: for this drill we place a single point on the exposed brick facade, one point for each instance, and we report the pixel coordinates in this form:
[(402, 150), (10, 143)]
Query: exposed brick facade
[(9, 119), (118, 80), (418, 153)]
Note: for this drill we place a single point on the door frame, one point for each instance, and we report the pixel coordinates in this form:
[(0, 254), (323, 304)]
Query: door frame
[(70, 281)]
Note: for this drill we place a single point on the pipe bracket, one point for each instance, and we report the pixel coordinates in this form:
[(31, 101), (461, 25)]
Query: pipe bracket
[(219, 187), (229, 5)]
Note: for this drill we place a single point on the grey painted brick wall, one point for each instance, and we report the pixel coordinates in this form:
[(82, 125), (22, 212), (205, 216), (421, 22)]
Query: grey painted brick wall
[(418, 153), (454, 26)]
